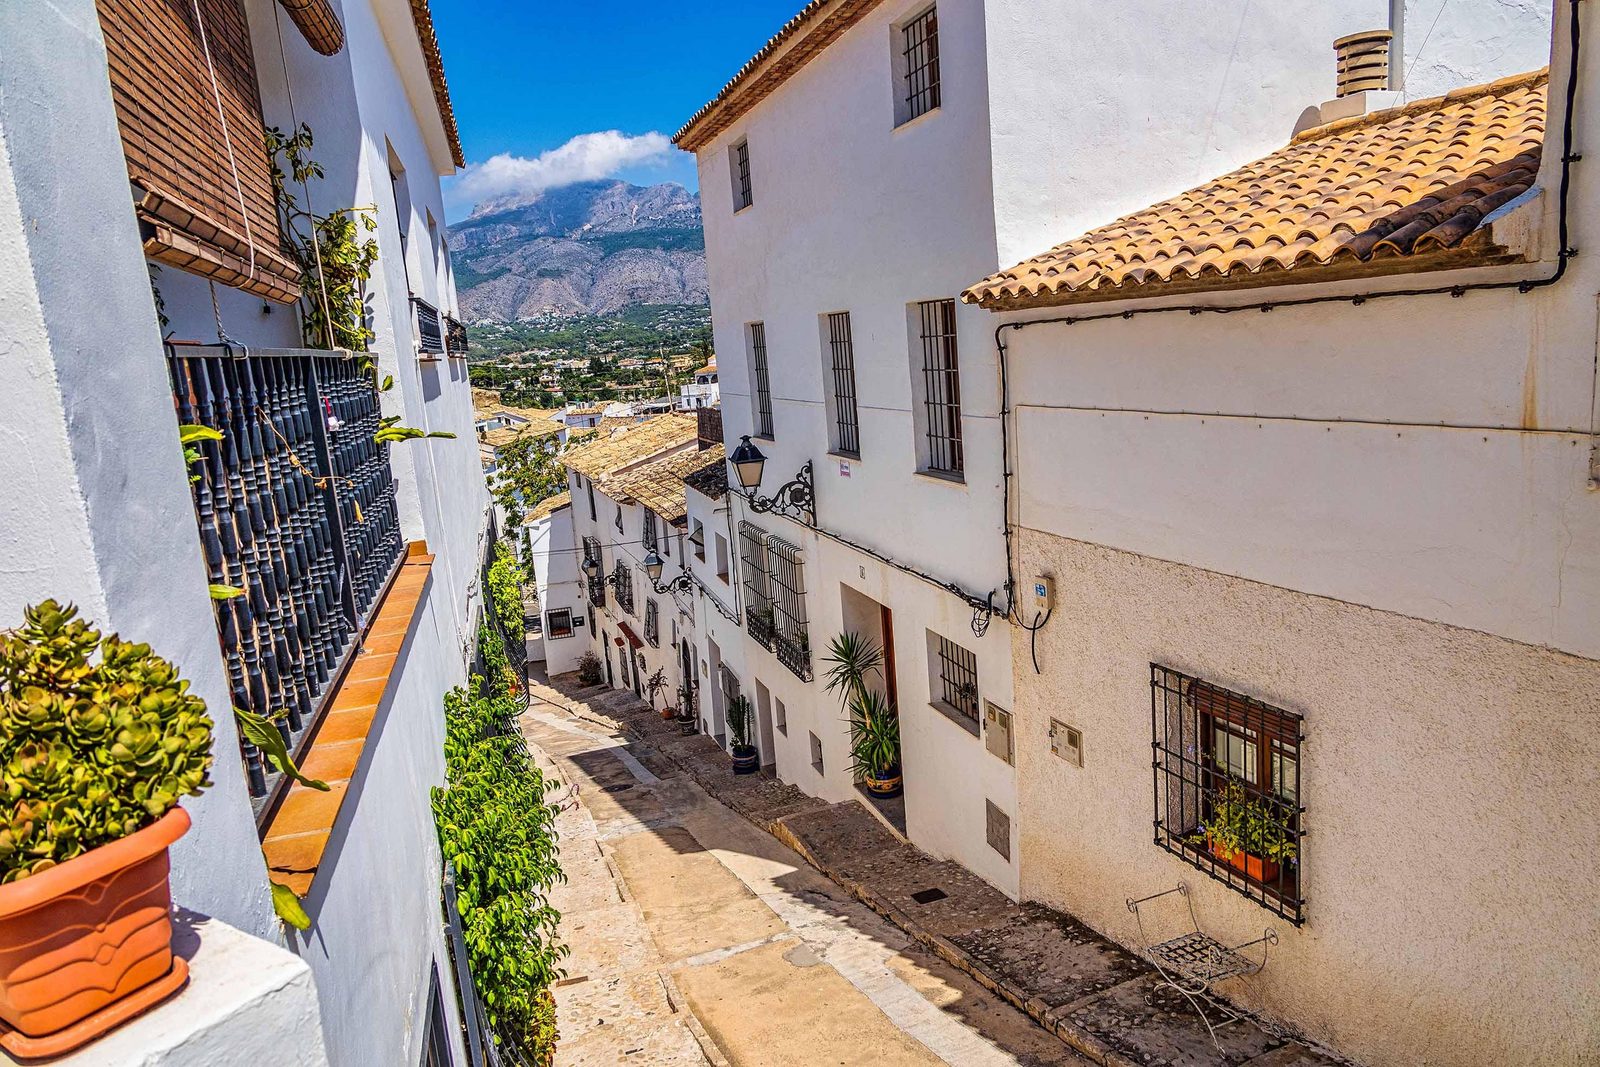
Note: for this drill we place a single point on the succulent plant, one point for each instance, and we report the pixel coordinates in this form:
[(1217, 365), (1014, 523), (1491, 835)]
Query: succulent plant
[(99, 737)]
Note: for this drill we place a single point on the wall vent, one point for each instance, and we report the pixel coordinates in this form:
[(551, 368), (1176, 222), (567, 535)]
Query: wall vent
[(998, 825), (1363, 62)]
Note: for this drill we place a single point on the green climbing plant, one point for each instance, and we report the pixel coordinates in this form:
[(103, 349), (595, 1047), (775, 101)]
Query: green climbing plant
[(506, 579), (497, 830), (335, 252)]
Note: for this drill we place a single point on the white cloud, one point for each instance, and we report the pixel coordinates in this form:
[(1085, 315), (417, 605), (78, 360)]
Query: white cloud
[(586, 157)]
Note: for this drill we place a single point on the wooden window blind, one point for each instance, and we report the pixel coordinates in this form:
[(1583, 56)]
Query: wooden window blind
[(203, 182)]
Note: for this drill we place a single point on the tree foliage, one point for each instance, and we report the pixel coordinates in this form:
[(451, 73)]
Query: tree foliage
[(506, 579), (529, 471)]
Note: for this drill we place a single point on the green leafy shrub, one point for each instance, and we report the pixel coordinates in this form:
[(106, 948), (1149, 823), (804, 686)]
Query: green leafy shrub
[(99, 737), (498, 832), (498, 677), (589, 672), (506, 579), (1240, 824)]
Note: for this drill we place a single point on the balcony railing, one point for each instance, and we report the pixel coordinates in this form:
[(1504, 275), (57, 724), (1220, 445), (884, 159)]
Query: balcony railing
[(430, 328), (455, 337), (296, 507), (794, 653), (763, 630)]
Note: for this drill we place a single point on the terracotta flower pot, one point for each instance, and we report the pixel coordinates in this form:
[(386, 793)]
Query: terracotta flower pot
[(87, 945), (1251, 866), (885, 786)]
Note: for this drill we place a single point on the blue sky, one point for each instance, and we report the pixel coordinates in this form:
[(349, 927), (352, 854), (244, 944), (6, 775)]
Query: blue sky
[(529, 77)]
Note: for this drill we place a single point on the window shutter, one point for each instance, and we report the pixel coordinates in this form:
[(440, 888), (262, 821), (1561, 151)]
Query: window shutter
[(197, 210)]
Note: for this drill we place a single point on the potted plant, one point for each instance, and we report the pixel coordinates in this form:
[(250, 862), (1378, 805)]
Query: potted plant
[(875, 746), (746, 759), (852, 662), (99, 738), (1247, 833), (589, 673), (688, 721)]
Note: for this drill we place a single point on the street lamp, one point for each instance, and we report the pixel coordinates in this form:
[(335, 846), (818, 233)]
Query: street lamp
[(654, 565), (591, 568), (794, 499)]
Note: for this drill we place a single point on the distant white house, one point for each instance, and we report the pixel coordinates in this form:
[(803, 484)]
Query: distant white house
[(703, 392)]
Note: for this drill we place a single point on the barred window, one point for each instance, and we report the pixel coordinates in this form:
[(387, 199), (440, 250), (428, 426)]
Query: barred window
[(619, 518), (758, 595), (1227, 787), (739, 161), (597, 583), (650, 539), (760, 384), (846, 428), (593, 515), (941, 386), (920, 52), (786, 585), (652, 624), (622, 581), (558, 623), (954, 680)]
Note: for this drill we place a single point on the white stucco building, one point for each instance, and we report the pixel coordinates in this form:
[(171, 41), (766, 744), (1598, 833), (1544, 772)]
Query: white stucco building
[(359, 560)]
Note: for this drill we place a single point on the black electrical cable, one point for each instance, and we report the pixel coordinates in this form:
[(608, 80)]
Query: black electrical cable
[(1525, 285)]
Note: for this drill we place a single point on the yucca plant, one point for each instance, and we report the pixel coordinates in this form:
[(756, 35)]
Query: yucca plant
[(874, 737)]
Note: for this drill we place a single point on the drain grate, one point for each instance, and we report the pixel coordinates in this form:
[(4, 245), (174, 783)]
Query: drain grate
[(622, 787), (928, 896)]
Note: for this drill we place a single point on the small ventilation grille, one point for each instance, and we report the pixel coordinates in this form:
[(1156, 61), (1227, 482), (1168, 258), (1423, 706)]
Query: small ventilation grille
[(1363, 61), (999, 827)]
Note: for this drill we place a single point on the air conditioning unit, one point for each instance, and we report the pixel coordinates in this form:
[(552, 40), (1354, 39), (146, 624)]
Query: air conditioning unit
[(1066, 742), (997, 732)]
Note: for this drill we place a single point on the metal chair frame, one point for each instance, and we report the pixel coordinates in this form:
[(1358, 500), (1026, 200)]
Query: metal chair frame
[(1191, 962)]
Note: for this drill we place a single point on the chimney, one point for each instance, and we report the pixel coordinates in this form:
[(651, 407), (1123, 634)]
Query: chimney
[(1363, 62), (708, 421)]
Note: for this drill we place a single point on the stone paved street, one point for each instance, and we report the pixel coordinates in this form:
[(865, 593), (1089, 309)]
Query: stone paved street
[(698, 939), (1101, 1002)]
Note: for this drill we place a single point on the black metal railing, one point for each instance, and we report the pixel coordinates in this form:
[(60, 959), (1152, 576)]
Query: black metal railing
[(455, 337), (1228, 795), (762, 627), (296, 507), (652, 624), (430, 328), (787, 587), (622, 586), (794, 653)]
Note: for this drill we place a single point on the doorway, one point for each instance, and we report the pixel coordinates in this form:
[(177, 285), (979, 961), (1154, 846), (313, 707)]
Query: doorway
[(765, 740), (719, 713), (605, 646)]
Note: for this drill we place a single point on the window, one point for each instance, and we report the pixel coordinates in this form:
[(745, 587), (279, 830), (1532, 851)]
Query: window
[(816, 752), (758, 599), (919, 64), (787, 588), (558, 623), (739, 165), (590, 612), (722, 557), (698, 540), (940, 387), (652, 625), (842, 405), (780, 715), (619, 518), (953, 680), (593, 515), (1227, 787), (651, 543), (760, 384), (622, 583)]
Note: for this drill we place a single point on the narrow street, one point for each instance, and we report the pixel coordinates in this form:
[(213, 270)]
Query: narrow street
[(696, 938)]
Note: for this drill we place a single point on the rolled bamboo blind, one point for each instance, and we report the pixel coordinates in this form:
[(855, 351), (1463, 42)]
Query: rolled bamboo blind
[(205, 200), (318, 24)]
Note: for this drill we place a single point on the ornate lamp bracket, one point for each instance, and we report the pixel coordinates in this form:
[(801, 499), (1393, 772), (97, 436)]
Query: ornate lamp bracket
[(794, 499)]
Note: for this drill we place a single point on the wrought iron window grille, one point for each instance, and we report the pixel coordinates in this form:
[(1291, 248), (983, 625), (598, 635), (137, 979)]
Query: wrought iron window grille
[(296, 506), (455, 338), (596, 581), (621, 582), (430, 329), (1227, 788), (958, 678), (650, 537), (760, 381), (941, 386), (791, 639), (920, 47), (652, 624), (846, 424), (743, 195)]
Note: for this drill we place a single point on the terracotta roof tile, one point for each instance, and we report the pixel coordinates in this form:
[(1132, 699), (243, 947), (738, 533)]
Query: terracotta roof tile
[(422, 15), (1401, 190), (601, 458), (659, 485), (800, 40), (711, 480), (549, 506)]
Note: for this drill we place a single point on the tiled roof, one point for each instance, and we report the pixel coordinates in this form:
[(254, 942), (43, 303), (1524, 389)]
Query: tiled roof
[(423, 17), (1398, 191), (605, 456), (659, 486), (608, 423), (549, 506), (710, 480), (487, 402), (504, 436), (801, 39)]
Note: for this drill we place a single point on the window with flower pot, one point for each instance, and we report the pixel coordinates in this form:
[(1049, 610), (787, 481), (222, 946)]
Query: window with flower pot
[(1228, 793)]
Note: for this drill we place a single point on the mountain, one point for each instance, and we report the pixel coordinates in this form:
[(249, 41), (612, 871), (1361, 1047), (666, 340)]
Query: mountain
[(592, 247)]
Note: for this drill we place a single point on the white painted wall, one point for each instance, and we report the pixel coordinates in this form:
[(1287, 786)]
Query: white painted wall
[(556, 561)]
